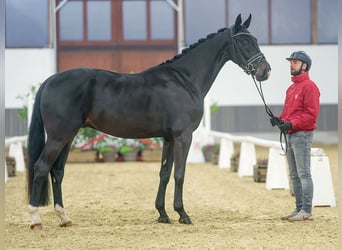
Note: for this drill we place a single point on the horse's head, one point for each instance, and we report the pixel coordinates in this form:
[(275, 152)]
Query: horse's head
[(246, 52)]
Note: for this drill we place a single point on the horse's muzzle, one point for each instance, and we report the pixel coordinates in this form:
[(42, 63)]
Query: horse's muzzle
[(263, 71)]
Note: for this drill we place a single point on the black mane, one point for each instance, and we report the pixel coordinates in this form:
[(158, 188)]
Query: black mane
[(194, 45)]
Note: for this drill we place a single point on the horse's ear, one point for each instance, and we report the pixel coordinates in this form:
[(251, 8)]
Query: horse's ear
[(247, 22), (237, 24)]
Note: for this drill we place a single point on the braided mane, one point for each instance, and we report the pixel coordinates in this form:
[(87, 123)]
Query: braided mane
[(194, 45)]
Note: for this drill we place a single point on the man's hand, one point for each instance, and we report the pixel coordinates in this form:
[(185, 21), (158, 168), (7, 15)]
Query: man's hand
[(284, 126), (275, 121)]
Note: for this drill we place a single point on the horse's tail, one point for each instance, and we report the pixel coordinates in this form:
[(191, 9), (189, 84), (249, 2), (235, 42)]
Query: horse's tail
[(36, 143)]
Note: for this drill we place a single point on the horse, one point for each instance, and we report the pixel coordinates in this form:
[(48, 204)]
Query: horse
[(163, 101)]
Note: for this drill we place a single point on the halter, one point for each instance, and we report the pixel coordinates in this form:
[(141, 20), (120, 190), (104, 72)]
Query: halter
[(250, 69)]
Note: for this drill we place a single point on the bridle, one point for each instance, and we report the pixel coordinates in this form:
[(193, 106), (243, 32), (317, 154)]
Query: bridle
[(250, 67)]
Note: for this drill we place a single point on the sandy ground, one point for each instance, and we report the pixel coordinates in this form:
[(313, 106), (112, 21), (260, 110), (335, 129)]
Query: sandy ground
[(112, 207)]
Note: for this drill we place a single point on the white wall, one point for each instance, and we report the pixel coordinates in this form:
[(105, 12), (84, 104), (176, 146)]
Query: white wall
[(234, 87), (23, 69)]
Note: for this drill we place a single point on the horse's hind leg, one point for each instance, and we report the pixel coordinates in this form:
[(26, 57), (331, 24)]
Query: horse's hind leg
[(57, 173), (165, 172), (40, 186)]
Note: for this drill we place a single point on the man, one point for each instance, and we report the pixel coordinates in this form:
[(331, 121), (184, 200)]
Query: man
[(298, 121)]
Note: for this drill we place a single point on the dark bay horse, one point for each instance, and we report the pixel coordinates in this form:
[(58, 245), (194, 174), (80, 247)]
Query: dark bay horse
[(163, 101)]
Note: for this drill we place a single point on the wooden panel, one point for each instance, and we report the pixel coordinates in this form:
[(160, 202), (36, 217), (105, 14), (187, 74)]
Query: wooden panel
[(136, 61), (127, 61), (103, 59)]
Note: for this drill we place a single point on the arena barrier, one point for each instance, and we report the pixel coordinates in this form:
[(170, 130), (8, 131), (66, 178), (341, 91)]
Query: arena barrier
[(15, 145), (277, 175)]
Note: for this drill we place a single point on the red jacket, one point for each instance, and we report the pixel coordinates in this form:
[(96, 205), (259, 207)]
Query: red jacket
[(301, 106)]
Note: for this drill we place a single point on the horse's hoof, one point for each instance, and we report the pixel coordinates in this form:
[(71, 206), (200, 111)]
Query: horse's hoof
[(37, 226), (165, 220), (185, 220), (65, 224)]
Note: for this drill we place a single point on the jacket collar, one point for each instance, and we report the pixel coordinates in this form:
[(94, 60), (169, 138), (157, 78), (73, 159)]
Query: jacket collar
[(301, 77)]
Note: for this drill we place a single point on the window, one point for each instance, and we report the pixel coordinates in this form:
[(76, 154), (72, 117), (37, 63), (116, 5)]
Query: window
[(199, 22), (99, 26), (27, 24), (111, 22), (291, 21), (71, 21), (162, 21), (259, 25), (273, 21), (327, 21), (134, 20)]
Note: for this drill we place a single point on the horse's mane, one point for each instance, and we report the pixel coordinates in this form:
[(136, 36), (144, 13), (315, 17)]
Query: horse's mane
[(194, 45)]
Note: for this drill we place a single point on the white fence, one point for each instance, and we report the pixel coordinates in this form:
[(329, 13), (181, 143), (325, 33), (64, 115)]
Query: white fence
[(276, 177)]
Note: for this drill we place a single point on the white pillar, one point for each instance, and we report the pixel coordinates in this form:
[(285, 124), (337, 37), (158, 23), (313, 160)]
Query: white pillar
[(276, 177), (226, 152), (247, 159)]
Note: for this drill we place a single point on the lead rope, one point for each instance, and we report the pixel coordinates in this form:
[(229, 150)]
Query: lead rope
[(270, 114)]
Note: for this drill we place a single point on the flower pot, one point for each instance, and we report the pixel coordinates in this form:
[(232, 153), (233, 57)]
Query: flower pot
[(109, 156), (130, 156), (152, 154), (81, 156), (259, 173)]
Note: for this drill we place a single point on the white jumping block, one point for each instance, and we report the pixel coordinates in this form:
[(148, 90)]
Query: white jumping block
[(6, 173), (16, 151), (199, 138), (247, 159), (323, 186), (226, 152), (276, 177)]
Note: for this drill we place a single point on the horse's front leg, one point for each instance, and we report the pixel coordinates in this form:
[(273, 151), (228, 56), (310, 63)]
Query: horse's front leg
[(182, 146), (165, 172)]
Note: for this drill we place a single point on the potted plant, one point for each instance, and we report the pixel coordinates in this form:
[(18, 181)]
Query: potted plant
[(128, 150), (88, 154), (215, 154), (209, 150), (260, 170), (106, 149), (152, 149)]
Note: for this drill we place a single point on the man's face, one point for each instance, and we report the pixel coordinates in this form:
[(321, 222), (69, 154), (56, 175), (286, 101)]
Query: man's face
[(295, 66)]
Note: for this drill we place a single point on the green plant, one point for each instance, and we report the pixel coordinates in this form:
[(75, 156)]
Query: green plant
[(84, 135), (215, 148), (22, 113), (213, 108), (235, 156)]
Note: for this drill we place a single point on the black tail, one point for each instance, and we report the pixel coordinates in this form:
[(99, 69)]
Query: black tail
[(36, 142)]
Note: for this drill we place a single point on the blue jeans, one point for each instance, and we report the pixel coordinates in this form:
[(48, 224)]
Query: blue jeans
[(298, 158)]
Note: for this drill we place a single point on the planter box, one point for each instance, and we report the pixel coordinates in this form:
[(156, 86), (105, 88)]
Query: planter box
[(11, 166), (208, 155), (260, 172), (234, 165), (81, 156), (152, 154)]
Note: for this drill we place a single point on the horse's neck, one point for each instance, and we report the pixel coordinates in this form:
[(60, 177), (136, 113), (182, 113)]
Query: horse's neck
[(202, 64)]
